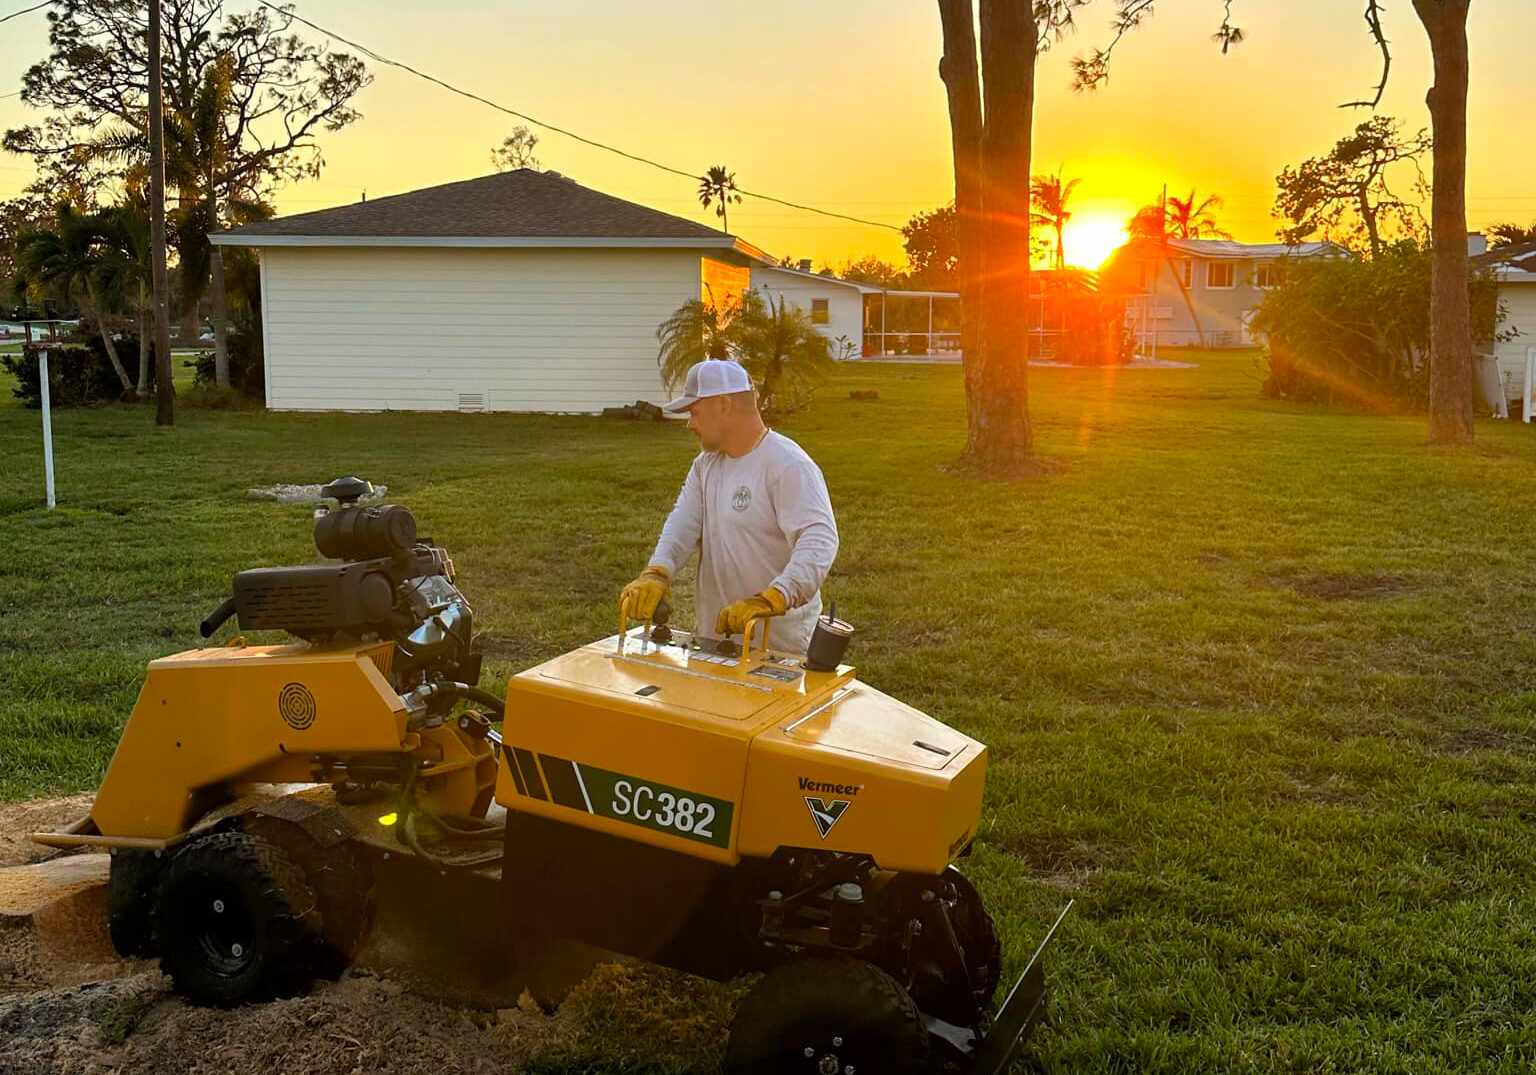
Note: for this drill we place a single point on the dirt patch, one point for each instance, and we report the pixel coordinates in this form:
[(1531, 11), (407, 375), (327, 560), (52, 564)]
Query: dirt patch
[(81, 1011), (1346, 586), (1473, 739), (18, 821), (1062, 861), (361, 1024)]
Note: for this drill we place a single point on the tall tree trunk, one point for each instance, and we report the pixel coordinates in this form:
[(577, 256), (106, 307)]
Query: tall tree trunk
[(143, 388), (1450, 362), (962, 86), (165, 390), (106, 339), (1189, 302), (220, 321), (1367, 213), (1001, 437)]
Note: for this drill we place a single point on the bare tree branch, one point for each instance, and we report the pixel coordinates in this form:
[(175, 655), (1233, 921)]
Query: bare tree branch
[(1373, 20)]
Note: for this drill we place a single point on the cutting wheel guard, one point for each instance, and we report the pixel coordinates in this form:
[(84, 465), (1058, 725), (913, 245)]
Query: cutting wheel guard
[(1017, 1018)]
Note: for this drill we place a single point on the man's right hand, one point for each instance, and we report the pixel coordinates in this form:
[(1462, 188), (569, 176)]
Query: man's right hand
[(640, 598)]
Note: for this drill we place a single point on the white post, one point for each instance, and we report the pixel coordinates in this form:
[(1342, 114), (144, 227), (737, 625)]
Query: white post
[(885, 297), (42, 371), (930, 326), (1530, 375)]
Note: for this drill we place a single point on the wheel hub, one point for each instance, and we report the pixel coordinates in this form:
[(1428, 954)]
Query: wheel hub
[(224, 937), (827, 1061)]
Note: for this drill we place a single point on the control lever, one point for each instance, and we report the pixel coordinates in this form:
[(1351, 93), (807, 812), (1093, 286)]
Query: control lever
[(661, 634)]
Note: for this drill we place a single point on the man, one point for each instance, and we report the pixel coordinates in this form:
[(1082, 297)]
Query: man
[(756, 508)]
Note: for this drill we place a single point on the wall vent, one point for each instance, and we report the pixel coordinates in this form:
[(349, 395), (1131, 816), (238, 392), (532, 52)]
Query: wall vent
[(471, 402)]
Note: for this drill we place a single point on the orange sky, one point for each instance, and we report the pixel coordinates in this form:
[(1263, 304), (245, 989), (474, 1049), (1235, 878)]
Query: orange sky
[(839, 105)]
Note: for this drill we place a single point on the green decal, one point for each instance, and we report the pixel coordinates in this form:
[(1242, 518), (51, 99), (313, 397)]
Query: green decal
[(657, 806)]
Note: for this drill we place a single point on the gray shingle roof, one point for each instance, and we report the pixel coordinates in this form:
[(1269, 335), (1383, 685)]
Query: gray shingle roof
[(1227, 249), (1518, 256), (518, 204)]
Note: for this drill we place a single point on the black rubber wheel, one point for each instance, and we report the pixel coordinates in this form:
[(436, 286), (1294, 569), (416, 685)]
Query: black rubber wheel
[(133, 885), (236, 921), (978, 938), (819, 1016)]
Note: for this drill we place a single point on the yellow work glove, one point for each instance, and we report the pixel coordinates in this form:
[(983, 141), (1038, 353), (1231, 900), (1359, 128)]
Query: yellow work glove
[(733, 618), (640, 598)]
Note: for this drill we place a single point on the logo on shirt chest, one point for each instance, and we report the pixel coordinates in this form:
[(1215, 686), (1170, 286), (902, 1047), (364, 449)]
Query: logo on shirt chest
[(741, 499)]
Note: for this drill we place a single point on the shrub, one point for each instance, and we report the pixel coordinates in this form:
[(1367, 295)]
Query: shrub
[(247, 371), (1355, 331), (79, 374), (784, 354)]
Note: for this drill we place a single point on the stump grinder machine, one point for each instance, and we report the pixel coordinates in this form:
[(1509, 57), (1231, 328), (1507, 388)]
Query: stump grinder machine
[(658, 794)]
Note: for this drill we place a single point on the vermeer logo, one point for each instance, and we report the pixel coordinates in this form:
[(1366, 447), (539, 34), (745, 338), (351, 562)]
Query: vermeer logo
[(741, 499), (828, 788), (826, 814)]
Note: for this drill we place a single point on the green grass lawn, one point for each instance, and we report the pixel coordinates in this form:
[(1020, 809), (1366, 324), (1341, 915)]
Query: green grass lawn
[(1259, 681)]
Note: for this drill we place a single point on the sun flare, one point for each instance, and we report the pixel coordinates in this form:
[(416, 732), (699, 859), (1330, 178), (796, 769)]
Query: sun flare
[(1091, 238)]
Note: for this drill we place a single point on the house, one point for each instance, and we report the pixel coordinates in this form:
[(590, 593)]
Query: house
[(1514, 267), (1225, 282), (521, 291), (863, 319)]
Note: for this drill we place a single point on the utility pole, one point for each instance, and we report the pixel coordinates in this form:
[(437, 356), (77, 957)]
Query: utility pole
[(165, 392)]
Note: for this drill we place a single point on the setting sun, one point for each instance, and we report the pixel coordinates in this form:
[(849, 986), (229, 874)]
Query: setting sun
[(1092, 238)]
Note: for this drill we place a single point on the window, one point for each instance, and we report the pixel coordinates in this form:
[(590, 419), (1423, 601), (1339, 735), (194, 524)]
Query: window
[(819, 314), (1221, 274), (1266, 274), (1187, 268)]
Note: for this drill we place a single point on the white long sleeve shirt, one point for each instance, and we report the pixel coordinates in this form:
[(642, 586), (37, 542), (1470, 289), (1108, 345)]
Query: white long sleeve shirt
[(758, 520)]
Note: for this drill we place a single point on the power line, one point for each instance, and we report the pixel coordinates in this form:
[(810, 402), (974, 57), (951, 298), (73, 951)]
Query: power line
[(289, 13), (27, 10)]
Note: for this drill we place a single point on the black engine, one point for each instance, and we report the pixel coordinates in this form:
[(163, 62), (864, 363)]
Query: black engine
[(387, 585)]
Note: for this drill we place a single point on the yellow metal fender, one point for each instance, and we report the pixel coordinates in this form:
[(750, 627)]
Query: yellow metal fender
[(242, 714)]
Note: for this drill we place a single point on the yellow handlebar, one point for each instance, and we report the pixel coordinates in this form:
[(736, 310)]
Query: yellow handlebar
[(746, 637), (624, 622)]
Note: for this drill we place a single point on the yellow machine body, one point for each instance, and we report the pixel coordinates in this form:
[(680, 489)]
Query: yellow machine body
[(724, 759), (209, 721)]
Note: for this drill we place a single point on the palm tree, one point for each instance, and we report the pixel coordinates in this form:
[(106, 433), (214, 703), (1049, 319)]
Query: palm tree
[(1511, 234), (1188, 219), (197, 165), (124, 269), (70, 256), (777, 343), (782, 350), (718, 187), (1048, 197), (698, 329), (1149, 230)]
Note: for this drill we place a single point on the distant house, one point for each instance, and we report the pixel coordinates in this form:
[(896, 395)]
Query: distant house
[(521, 291), (863, 319), (1225, 281), (1514, 267)]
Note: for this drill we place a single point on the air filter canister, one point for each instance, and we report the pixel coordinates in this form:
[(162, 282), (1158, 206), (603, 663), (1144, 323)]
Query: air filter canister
[(365, 533)]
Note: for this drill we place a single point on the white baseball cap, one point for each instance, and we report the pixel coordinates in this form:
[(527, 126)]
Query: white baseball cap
[(712, 377)]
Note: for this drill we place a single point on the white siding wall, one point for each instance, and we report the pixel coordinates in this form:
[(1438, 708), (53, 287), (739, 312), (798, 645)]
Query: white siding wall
[(1519, 301), (845, 305), (413, 329)]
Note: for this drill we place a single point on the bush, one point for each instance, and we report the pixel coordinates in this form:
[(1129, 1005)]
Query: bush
[(1355, 332), (1089, 327), (79, 374), (247, 371)]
